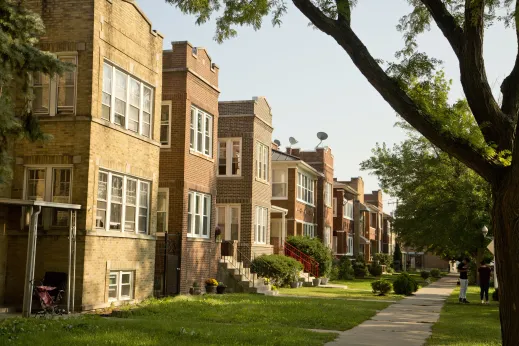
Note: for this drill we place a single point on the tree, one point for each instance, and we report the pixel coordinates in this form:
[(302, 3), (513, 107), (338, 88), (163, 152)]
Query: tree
[(409, 85), (19, 59)]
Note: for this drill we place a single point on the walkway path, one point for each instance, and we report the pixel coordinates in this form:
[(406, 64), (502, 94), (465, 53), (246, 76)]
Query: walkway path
[(407, 322)]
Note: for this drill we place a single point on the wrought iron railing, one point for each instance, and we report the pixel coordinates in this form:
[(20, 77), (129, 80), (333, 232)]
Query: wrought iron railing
[(310, 265)]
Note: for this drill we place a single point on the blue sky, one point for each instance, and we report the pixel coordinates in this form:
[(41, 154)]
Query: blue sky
[(310, 82)]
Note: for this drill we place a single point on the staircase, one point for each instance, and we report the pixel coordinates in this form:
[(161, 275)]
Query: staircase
[(310, 265)]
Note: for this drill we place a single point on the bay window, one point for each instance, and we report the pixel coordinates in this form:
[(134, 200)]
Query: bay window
[(262, 161), (309, 230), (305, 188), (279, 184), (347, 209), (198, 215), (201, 132), (260, 233), (126, 101), (229, 157), (122, 203)]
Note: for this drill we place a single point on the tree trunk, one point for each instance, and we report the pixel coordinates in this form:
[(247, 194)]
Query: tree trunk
[(505, 221)]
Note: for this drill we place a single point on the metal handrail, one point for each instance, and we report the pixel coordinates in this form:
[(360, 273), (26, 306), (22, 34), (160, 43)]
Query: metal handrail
[(310, 265)]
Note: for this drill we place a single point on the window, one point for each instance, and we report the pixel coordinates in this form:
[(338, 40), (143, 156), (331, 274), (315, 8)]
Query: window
[(348, 209), (262, 161), (373, 220), (228, 220), (229, 157), (327, 236), (126, 101), (198, 215), (260, 234), (328, 194), (55, 95), (350, 246), (120, 285), (52, 184), (201, 140), (165, 124), (162, 210), (122, 198), (335, 207), (309, 230), (305, 188), (279, 183)]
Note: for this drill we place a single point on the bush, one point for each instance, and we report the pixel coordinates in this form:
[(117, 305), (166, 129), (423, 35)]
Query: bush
[(334, 273), (345, 269), (495, 295), (359, 268), (425, 274), (435, 273), (382, 287), (314, 248), (390, 270), (278, 268), (405, 284), (384, 259), (375, 269)]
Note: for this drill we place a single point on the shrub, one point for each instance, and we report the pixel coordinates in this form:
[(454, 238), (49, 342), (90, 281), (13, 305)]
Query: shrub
[(495, 295), (384, 259), (405, 284), (435, 273), (334, 273), (278, 268), (382, 287), (314, 248), (390, 270), (375, 269), (345, 269), (359, 268), (425, 274)]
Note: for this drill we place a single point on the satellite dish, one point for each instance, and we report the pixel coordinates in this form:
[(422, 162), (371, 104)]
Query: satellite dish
[(292, 141), (322, 136), (277, 142)]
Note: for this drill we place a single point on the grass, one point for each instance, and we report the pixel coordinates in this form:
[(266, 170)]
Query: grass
[(237, 319), (467, 324)]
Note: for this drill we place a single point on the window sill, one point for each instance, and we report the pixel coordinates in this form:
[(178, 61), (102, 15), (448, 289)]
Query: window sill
[(262, 181), (118, 234), (125, 131), (203, 240), (200, 155), (229, 176), (306, 203), (279, 198)]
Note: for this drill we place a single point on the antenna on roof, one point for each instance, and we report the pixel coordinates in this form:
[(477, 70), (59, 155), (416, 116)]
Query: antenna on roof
[(322, 136), (277, 142), (292, 141)]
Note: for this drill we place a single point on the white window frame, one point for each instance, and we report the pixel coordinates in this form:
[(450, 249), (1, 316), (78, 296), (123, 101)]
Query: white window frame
[(327, 236), (349, 249), (262, 153), (328, 194), (309, 229), (335, 207), (167, 124), (229, 146), (227, 229), (47, 218), (261, 225), (123, 203), (118, 285), (192, 214), (284, 181), (142, 86), (193, 140), (345, 207), (54, 109), (305, 189), (163, 190)]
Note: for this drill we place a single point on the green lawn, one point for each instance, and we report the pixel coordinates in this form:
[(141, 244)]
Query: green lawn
[(234, 319), (467, 324)]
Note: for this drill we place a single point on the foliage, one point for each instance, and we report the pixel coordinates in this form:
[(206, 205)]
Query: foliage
[(425, 274), (19, 59), (384, 259), (211, 282), (278, 268), (382, 287), (435, 273), (430, 185), (196, 284), (345, 269), (359, 268), (375, 269), (397, 255), (314, 248), (495, 295), (221, 284), (405, 284), (334, 272)]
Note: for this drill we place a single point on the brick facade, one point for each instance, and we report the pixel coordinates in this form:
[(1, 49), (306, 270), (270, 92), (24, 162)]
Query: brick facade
[(95, 31)]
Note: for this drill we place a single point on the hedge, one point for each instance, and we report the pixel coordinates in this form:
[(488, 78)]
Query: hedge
[(314, 248), (282, 270)]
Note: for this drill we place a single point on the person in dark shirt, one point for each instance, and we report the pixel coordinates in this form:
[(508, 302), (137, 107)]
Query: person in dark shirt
[(463, 269), (484, 281)]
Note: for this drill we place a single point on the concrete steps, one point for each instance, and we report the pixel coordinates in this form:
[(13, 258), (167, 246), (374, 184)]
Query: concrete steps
[(245, 280)]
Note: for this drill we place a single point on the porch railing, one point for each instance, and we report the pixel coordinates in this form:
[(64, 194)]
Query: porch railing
[(310, 265)]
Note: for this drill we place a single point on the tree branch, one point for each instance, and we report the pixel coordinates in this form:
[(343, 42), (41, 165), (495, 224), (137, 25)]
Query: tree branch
[(446, 22), (510, 85), (393, 94), (495, 126)]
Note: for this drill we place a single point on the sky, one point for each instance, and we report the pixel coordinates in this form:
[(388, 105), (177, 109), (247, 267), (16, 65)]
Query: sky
[(311, 83)]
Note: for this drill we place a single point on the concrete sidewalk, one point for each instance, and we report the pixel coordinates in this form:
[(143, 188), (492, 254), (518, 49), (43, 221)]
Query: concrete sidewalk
[(407, 322)]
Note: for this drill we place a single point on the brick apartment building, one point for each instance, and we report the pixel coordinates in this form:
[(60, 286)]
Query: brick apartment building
[(344, 198), (322, 160), (104, 154), (373, 224), (186, 247), (388, 237), (293, 190), (244, 175)]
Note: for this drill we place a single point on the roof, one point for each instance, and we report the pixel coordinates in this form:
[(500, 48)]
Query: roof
[(344, 186), (279, 156), (27, 203), (373, 208), (364, 207)]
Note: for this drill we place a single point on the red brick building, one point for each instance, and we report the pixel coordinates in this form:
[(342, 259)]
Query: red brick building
[(344, 198)]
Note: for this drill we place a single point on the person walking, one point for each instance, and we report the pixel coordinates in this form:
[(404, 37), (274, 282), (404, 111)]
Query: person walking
[(484, 281), (463, 269)]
